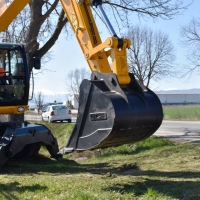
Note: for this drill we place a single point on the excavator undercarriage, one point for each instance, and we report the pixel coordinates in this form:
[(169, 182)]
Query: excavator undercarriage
[(22, 140)]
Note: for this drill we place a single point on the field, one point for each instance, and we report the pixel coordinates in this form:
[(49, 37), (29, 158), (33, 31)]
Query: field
[(186, 112), (152, 169)]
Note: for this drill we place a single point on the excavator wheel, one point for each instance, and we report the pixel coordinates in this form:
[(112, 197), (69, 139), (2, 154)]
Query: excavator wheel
[(112, 115), (28, 151), (23, 140)]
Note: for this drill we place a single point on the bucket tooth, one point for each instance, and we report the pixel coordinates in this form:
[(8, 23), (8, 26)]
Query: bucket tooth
[(110, 115)]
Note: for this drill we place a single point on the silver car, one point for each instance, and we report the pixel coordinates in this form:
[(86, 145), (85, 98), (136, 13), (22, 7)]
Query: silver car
[(54, 113)]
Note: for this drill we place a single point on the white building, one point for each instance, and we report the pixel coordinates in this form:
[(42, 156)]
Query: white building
[(74, 100), (186, 98)]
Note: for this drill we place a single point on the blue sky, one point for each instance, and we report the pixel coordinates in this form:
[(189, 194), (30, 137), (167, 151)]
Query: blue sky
[(67, 56)]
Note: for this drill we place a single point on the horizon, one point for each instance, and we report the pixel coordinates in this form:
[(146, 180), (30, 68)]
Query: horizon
[(52, 93), (63, 96)]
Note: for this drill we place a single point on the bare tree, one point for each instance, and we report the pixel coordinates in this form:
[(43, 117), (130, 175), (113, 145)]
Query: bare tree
[(151, 55), (165, 9), (191, 41), (38, 99), (74, 79), (123, 11)]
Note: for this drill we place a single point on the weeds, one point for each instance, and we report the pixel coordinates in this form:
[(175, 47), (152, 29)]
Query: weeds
[(128, 149)]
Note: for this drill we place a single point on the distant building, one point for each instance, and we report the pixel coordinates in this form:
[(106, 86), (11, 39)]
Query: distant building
[(74, 100), (186, 98), (179, 98)]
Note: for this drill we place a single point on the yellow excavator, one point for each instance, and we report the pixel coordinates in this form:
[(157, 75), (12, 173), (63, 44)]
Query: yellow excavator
[(113, 108)]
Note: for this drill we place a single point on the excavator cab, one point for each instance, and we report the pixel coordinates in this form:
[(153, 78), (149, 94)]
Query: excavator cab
[(14, 78), (19, 139)]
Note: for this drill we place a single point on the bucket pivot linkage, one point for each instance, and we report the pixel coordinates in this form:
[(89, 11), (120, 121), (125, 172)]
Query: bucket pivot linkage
[(110, 115)]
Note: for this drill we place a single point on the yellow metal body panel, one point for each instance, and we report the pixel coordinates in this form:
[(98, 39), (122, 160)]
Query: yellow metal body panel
[(85, 30), (13, 109), (9, 11)]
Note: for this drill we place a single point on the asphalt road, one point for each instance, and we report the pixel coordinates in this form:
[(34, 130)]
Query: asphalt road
[(33, 117), (39, 118), (180, 131)]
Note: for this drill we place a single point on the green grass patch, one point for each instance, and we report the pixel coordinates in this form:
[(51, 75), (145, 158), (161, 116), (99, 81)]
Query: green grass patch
[(182, 112), (128, 149), (151, 169)]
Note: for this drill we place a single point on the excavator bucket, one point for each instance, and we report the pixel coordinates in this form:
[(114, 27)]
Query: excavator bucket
[(110, 115)]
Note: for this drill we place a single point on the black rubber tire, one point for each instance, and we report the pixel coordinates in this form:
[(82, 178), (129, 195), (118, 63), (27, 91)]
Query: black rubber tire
[(29, 151), (69, 120)]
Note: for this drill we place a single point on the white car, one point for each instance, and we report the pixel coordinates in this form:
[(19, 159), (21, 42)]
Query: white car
[(54, 113)]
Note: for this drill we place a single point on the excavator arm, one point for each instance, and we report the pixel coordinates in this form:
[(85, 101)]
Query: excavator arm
[(83, 24), (95, 51)]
